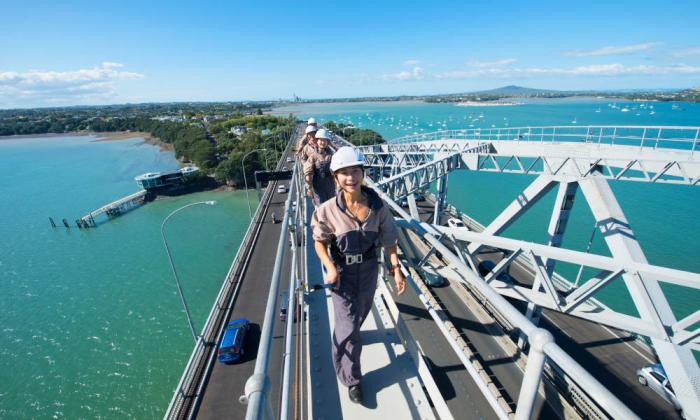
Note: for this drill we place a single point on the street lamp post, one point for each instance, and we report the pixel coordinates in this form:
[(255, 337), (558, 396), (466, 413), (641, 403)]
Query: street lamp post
[(172, 265), (245, 180)]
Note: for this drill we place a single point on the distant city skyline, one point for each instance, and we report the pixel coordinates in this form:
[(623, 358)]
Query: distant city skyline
[(82, 53)]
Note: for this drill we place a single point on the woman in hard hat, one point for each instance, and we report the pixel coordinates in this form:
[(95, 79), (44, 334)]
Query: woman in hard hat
[(317, 173), (309, 138), (353, 226)]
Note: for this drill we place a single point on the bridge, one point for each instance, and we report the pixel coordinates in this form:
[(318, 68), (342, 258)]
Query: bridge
[(508, 336)]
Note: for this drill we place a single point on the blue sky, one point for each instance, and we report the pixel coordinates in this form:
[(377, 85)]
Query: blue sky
[(68, 53)]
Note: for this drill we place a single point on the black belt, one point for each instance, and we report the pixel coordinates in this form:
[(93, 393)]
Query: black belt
[(349, 259)]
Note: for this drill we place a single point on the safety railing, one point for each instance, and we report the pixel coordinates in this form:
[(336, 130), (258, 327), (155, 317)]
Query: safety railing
[(670, 137)]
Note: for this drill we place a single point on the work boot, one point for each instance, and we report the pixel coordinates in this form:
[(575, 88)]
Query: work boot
[(355, 393)]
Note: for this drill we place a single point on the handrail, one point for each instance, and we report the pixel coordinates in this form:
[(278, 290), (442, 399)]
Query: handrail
[(683, 138)]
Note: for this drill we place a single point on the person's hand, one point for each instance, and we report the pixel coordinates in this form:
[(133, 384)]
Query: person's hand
[(400, 281), (332, 276)]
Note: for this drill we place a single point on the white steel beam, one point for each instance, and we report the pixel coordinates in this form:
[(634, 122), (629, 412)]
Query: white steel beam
[(530, 195), (649, 299)]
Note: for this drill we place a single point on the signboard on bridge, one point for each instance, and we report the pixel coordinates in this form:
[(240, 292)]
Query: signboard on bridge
[(264, 176)]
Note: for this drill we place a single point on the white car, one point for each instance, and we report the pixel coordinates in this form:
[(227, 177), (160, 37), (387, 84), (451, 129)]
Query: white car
[(456, 223), (655, 377), (290, 160), (282, 189)]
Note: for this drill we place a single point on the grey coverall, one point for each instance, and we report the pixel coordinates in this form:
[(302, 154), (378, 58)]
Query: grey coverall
[(349, 237), (317, 165)]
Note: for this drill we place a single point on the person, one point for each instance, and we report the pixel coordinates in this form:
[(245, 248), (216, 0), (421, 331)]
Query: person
[(309, 138), (353, 226), (312, 121), (317, 173)]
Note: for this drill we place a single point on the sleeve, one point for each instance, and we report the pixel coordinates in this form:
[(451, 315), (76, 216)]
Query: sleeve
[(388, 232), (322, 232), (309, 165)]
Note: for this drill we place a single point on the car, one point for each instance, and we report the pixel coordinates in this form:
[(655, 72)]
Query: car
[(453, 222), (232, 343), (487, 266), (282, 189), (433, 279), (290, 160), (284, 168), (655, 377), (284, 302)]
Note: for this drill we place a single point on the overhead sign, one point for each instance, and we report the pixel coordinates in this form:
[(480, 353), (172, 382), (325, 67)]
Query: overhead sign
[(264, 176)]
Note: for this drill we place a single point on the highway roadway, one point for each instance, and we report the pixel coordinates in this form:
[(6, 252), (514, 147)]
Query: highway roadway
[(226, 382)]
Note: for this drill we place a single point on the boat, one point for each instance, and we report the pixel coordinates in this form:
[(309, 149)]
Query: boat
[(597, 110), (625, 109)]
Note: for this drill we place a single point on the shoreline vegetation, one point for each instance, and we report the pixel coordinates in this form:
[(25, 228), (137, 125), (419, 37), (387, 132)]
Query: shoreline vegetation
[(213, 136)]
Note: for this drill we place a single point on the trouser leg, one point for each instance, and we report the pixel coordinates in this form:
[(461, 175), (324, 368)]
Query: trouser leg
[(351, 305)]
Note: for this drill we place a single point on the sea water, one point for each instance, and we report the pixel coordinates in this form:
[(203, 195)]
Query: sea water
[(92, 326), (664, 217)]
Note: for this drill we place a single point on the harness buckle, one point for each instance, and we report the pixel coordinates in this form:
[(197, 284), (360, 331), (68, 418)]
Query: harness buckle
[(353, 259)]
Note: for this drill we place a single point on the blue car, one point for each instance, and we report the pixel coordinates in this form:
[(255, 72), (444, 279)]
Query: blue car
[(231, 346)]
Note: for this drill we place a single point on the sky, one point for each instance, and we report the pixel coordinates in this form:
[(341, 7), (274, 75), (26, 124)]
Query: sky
[(86, 53)]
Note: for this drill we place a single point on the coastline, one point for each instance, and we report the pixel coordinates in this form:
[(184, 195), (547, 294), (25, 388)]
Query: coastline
[(101, 136), (126, 135)]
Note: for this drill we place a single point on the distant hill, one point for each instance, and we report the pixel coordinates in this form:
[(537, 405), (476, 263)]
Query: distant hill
[(513, 90)]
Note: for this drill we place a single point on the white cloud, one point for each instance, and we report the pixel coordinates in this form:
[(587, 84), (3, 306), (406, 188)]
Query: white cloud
[(497, 63), (37, 86), (613, 50), (411, 62), (415, 74), (686, 52)]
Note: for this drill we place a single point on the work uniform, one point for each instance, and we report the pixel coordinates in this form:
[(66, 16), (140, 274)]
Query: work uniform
[(353, 248), (307, 148), (317, 165)]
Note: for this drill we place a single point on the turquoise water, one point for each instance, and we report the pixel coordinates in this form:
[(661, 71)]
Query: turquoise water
[(92, 326), (664, 217)]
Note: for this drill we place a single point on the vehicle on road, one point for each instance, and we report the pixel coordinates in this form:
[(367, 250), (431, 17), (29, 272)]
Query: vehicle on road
[(232, 343), (284, 302), (433, 279), (281, 188), (655, 377), (487, 266), (456, 223), (290, 160), (274, 218), (284, 168)]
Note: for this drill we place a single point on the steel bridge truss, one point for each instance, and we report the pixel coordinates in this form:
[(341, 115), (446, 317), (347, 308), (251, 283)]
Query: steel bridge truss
[(623, 163), (566, 167)]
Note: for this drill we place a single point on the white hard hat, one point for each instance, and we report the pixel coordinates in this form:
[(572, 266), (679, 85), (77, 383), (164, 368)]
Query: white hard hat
[(346, 157), (312, 120), (311, 129), (323, 134)]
